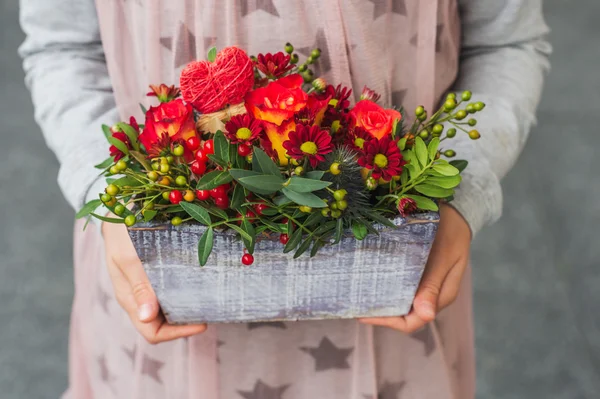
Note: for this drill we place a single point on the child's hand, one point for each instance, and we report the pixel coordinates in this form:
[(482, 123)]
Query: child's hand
[(133, 290), (439, 286)]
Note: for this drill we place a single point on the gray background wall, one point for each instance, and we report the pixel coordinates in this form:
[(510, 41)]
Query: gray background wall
[(537, 319)]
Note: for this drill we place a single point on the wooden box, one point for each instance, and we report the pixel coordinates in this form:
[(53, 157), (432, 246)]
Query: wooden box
[(374, 277)]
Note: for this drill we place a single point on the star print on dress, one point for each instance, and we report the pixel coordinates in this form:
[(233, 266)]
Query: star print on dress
[(263, 391), (209, 42), (327, 356), (438, 38), (103, 299), (275, 324), (323, 64), (105, 374), (150, 367), (390, 390), (398, 97), (249, 6), (381, 7), (425, 335), (184, 45), (131, 353)]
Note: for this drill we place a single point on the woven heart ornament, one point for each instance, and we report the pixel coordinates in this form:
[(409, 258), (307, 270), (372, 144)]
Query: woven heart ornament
[(210, 86)]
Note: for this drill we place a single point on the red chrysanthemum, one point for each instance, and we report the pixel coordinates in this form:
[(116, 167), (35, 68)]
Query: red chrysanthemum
[(406, 206), (243, 129), (164, 93), (114, 151), (383, 157), (338, 96), (357, 137), (273, 65), (161, 147), (308, 142)]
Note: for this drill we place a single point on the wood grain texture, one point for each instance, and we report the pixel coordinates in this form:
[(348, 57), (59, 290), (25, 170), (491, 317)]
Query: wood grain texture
[(374, 277)]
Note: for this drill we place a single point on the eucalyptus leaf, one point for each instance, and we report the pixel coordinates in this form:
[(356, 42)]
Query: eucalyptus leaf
[(313, 219), (424, 203), (306, 199), (303, 185), (216, 159), (238, 197), (262, 163), (88, 208), (434, 144), (281, 200), (315, 174), (205, 246), (197, 212), (221, 146), (240, 173), (262, 184), (214, 179), (420, 150), (434, 191)]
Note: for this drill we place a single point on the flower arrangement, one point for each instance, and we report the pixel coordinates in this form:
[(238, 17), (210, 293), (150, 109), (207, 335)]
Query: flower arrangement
[(260, 145)]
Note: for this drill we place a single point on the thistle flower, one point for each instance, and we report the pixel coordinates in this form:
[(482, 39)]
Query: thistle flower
[(274, 65), (406, 206), (371, 95)]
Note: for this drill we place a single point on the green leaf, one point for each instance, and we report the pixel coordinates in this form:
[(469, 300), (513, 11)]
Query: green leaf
[(339, 231), (281, 200), (262, 163), (293, 242), (304, 247), (245, 236), (105, 164), (213, 179), (262, 184), (249, 229), (217, 212), (172, 209), (238, 197), (270, 211), (420, 150), (413, 171), (205, 246), (141, 159), (373, 215), (149, 215), (359, 230), (144, 110), (119, 144), (404, 177), (402, 143), (302, 185), (316, 247), (315, 174), (221, 146), (131, 133), (459, 164), (127, 181), (444, 182), (445, 168), (106, 131), (424, 203), (241, 173), (108, 220), (313, 219), (197, 212), (212, 54), (272, 226), (88, 208), (306, 199), (434, 144), (433, 191), (217, 160)]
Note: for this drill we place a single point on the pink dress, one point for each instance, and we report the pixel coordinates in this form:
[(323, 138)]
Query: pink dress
[(389, 45)]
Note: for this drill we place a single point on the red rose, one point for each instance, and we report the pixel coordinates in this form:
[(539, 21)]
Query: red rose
[(174, 118), (376, 120)]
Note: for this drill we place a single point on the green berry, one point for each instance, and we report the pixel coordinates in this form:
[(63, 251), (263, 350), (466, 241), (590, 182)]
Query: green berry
[(130, 220), (310, 60), (474, 134), (113, 170), (336, 214), (121, 165), (449, 153), (424, 134), (149, 205), (325, 212), (449, 105), (289, 48), (119, 210), (371, 184), (470, 108), (472, 122), (178, 150), (302, 68), (419, 111), (155, 166), (438, 129), (181, 181), (298, 171), (106, 198), (305, 209), (294, 59), (342, 205), (164, 161), (334, 206), (466, 95), (460, 115), (451, 133), (112, 190), (165, 195), (164, 168), (479, 106), (451, 96), (423, 116), (176, 221), (339, 194), (316, 53), (153, 176), (170, 159), (335, 169)]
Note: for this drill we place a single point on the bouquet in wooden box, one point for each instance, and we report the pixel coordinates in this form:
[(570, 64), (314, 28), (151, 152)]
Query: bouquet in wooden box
[(264, 194)]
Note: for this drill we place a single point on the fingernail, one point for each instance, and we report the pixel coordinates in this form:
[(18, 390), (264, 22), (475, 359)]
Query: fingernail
[(428, 309), (145, 312)]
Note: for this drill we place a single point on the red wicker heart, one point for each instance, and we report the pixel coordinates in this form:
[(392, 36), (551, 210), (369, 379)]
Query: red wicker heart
[(210, 86)]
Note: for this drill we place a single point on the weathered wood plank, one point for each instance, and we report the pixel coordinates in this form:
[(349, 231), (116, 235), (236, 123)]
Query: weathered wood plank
[(375, 277)]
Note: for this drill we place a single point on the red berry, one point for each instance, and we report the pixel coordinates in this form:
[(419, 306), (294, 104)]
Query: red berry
[(202, 195), (247, 259), (201, 156), (198, 168), (222, 202), (284, 238), (259, 208), (250, 214), (175, 197), (244, 150), (193, 143), (209, 147), (219, 192)]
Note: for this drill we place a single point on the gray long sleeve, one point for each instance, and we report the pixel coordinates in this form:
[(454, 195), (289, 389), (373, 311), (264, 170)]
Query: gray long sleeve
[(503, 61), (71, 90)]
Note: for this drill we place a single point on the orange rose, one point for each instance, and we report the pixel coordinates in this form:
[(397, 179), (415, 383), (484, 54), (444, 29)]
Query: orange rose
[(376, 120), (173, 118), (275, 105)]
